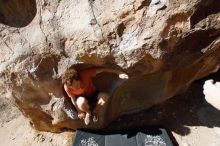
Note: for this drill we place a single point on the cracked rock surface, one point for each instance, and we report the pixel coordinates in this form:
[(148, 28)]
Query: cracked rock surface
[(163, 45)]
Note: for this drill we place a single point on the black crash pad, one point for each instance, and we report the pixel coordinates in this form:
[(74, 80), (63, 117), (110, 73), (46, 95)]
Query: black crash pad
[(148, 136)]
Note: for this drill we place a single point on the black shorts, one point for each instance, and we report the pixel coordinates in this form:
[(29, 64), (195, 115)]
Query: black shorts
[(93, 99)]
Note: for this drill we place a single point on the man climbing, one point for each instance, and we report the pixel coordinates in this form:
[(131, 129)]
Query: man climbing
[(79, 87)]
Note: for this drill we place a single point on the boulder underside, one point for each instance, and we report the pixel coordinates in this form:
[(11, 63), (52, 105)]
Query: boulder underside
[(162, 45)]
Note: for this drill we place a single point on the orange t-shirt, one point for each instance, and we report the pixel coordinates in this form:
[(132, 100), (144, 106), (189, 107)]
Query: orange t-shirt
[(87, 87)]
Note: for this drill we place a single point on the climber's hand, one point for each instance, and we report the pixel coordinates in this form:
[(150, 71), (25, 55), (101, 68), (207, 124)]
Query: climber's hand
[(123, 76)]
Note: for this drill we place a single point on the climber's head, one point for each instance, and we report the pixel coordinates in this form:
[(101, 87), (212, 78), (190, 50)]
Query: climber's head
[(70, 78)]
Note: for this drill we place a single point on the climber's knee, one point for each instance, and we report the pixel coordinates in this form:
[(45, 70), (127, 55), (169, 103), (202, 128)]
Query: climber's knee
[(82, 104)]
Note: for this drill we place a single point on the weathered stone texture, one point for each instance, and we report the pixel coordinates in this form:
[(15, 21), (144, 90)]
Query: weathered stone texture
[(164, 45)]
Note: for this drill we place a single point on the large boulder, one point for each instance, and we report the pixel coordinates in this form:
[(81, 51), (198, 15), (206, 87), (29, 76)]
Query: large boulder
[(163, 45)]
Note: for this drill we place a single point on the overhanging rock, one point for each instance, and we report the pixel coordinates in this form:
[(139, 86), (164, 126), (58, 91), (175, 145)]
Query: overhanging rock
[(163, 45)]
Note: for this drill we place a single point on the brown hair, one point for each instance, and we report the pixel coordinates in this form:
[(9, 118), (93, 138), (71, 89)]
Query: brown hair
[(69, 76)]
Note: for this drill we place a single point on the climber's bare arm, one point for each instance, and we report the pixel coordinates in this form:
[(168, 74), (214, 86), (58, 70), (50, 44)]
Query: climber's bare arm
[(73, 99), (121, 74)]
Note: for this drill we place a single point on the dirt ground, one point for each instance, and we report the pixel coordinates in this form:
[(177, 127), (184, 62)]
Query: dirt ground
[(16, 131), (190, 119)]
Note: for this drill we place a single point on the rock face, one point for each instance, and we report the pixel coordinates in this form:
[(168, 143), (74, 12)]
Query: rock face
[(163, 45)]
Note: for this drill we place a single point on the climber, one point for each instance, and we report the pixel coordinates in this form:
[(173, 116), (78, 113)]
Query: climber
[(80, 88)]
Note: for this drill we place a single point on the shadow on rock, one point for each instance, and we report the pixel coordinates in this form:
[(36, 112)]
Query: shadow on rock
[(17, 13), (176, 114)]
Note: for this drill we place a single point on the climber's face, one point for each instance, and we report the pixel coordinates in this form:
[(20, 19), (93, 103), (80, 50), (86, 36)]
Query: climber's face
[(76, 84)]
